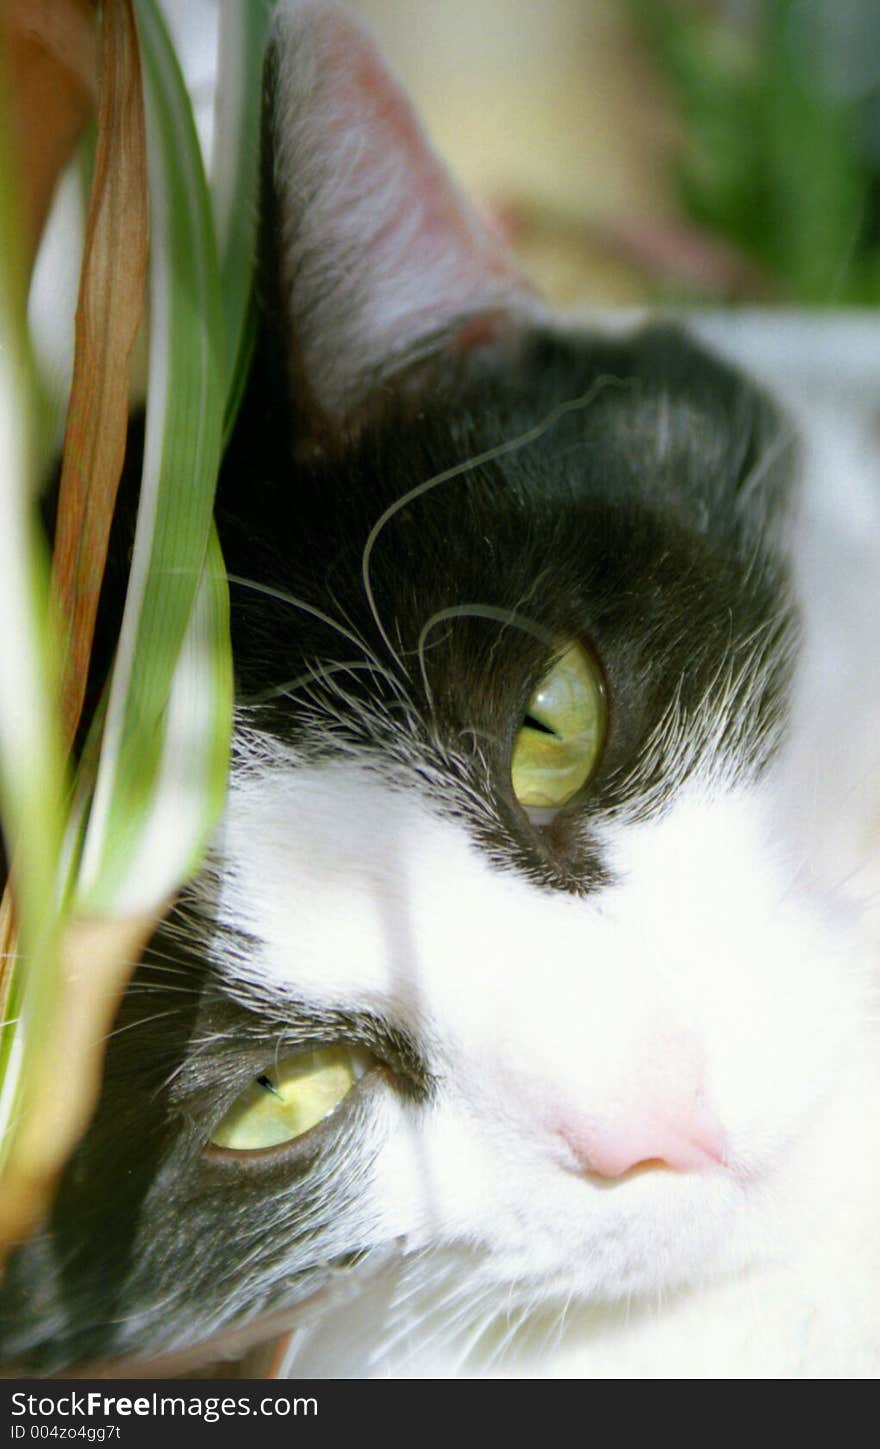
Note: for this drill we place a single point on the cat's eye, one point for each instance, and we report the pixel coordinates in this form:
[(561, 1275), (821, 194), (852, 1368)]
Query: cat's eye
[(290, 1098), (560, 741)]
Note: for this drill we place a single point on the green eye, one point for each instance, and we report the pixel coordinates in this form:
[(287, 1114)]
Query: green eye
[(559, 744), (287, 1100)]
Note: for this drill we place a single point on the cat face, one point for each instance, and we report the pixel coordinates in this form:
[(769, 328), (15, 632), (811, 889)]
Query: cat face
[(587, 1047), (621, 1021)]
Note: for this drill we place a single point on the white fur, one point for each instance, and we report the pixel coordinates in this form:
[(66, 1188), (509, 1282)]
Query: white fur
[(733, 961), (735, 958)]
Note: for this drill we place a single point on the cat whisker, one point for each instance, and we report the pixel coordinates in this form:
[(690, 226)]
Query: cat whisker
[(516, 1317), (283, 596), (313, 676), (414, 1332), (168, 1082), (469, 732), (448, 475), (560, 1332), (472, 1343), (164, 961), (505, 617), (154, 989), (143, 1021), (538, 586)]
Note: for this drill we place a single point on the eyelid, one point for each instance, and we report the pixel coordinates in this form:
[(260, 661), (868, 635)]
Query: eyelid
[(394, 1062), (392, 1045), (540, 815), (301, 1150)]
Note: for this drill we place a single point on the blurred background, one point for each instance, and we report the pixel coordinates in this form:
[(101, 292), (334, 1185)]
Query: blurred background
[(632, 151), (673, 150)]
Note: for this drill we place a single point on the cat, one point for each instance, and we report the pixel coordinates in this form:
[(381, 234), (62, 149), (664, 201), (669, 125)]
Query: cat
[(521, 1021)]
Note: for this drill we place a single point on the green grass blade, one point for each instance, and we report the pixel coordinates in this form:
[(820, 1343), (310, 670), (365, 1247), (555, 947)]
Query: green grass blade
[(190, 782), (234, 178), (185, 404), (162, 773)]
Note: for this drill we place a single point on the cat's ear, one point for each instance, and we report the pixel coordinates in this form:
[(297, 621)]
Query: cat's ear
[(380, 259)]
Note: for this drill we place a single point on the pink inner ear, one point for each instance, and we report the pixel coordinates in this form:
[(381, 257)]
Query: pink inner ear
[(381, 252)]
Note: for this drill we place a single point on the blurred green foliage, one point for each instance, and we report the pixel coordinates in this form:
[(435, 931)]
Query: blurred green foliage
[(776, 159)]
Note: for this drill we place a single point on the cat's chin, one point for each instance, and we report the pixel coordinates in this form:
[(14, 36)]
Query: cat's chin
[(472, 1310)]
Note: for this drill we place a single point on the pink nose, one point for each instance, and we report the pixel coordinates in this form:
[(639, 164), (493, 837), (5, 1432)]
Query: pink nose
[(689, 1140)]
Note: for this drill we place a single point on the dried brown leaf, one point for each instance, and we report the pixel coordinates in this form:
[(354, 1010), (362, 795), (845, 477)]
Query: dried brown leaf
[(96, 956), (108, 315), (51, 52)]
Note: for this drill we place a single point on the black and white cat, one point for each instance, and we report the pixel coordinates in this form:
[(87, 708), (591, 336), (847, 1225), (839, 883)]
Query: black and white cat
[(534, 968)]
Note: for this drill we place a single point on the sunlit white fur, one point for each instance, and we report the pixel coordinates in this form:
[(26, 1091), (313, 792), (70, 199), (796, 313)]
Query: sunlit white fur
[(733, 958), (737, 955), (732, 962)]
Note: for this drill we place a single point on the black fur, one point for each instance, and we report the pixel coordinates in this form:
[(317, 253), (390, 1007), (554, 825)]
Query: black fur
[(647, 522), (658, 562)]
